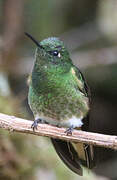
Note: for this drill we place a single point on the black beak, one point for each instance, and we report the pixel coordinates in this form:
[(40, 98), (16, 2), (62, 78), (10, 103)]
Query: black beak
[(34, 40)]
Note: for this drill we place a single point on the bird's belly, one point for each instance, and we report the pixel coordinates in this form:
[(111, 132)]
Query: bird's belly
[(69, 122), (64, 110)]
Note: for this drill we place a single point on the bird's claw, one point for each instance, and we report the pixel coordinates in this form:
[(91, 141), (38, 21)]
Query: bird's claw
[(69, 131), (35, 124)]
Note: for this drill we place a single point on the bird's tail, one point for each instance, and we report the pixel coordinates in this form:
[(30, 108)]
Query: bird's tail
[(74, 154), (67, 154)]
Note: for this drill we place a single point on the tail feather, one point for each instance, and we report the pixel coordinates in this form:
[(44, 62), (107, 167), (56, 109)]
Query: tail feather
[(69, 156), (73, 155)]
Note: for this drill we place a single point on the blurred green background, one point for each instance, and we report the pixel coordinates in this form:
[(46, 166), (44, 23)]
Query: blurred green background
[(89, 30)]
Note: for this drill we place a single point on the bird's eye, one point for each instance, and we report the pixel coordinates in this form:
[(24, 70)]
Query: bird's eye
[(55, 53)]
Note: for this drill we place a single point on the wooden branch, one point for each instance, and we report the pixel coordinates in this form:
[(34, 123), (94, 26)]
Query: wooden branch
[(12, 123)]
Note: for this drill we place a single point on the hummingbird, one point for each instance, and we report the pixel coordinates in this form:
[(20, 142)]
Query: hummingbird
[(59, 96)]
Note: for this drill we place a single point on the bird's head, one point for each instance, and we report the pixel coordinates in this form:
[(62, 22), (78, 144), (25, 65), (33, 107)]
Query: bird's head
[(51, 52)]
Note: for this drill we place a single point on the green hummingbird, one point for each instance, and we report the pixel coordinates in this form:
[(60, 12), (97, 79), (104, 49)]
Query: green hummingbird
[(59, 95)]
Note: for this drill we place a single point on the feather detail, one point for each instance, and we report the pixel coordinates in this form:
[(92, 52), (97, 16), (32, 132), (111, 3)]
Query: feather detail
[(68, 155), (73, 155)]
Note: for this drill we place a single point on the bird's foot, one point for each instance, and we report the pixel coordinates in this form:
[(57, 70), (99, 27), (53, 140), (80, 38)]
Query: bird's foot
[(35, 124), (69, 131)]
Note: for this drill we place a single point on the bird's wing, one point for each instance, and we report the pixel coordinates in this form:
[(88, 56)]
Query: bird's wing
[(84, 151), (80, 80)]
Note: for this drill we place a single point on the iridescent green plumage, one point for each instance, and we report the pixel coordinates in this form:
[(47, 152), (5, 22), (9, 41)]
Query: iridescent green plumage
[(58, 93), (57, 88)]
